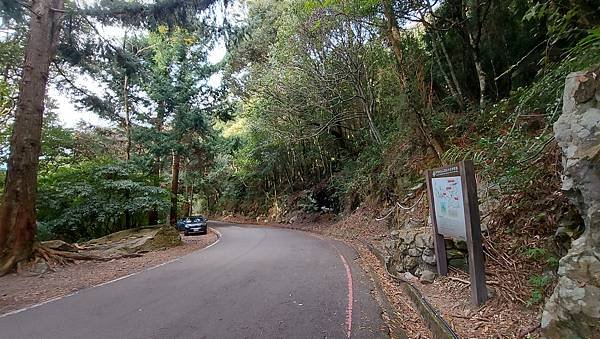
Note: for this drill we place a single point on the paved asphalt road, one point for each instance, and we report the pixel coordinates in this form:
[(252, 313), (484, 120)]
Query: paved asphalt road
[(257, 282)]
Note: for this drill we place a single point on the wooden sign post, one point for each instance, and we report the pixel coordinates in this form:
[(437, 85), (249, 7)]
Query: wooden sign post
[(454, 211)]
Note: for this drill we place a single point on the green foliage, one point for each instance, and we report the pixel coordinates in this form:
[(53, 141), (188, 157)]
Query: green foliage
[(304, 122), (535, 253), (309, 204), (456, 154), (539, 283), (11, 10), (564, 18), (325, 103), (552, 262), (144, 14), (543, 255), (545, 92), (355, 7), (306, 115), (44, 232), (92, 199), (153, 87), (11, 53), (58, 143), (536, 297)]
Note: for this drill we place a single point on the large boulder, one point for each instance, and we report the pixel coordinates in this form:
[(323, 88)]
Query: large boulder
[(573, 310), (135, 241), (166, 237), (59, 245)]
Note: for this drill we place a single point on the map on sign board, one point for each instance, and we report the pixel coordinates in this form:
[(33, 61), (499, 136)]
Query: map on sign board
[(449, 207)]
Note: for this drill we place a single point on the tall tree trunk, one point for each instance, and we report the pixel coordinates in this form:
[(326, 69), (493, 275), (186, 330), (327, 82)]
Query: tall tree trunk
[(444, 74), (473, 20), (368, 105), (480, 75), (158, 125), (174, 188), (453, 85), (394, 37), (128, 134), (372, 127), (17, 213), (451, 69), (438, 39), (127, 116), (191, 200), (395, 40)]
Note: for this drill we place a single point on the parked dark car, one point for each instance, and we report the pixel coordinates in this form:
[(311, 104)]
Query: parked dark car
[(193, 225)]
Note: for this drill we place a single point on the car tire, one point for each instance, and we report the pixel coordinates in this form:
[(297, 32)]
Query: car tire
[(185, 233)]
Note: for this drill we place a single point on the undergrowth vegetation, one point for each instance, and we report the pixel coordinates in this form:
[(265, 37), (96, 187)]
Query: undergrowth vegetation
[(344, 104), (324, 97)]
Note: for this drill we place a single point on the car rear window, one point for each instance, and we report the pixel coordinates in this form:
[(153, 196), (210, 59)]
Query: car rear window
[(194, 220)]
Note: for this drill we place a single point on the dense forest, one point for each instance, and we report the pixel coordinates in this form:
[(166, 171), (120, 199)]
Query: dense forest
[(322, 105), (319, 106), (353, 99)]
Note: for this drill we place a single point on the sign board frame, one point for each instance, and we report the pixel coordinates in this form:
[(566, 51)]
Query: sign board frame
[(468, 188)]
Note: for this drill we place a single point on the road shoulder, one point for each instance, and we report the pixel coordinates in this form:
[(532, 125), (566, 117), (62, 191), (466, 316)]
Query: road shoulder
[(27, 289)]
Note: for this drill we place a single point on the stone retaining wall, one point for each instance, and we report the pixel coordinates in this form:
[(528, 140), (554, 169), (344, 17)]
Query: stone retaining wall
[(412, 250)]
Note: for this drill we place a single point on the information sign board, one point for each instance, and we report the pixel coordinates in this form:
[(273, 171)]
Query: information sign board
[(454, 212), (449, 207)]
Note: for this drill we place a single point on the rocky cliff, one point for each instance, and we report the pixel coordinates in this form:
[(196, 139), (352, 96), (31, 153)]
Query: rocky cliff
[(573, 310)]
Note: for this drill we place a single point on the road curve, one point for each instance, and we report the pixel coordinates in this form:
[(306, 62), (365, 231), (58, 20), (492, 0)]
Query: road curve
[(257, 282)]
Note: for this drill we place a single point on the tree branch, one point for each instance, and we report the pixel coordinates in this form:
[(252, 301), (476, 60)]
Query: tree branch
[(521, 60), (60, 71)]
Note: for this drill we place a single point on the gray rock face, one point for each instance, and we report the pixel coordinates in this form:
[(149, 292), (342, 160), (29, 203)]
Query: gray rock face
[(411, 250), (59, 245), (424, 240), (427, 277), (414, 252), (573, 310), (429, 259), (409, 276)]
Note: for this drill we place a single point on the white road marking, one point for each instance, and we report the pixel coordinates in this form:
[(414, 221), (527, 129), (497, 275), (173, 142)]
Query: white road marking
[(219, 236), (350, 297)]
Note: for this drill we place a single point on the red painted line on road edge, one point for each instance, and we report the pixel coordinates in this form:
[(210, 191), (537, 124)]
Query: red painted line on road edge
[(350, 297)]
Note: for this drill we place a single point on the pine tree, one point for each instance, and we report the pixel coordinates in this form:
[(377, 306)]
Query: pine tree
[(18, 213)]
